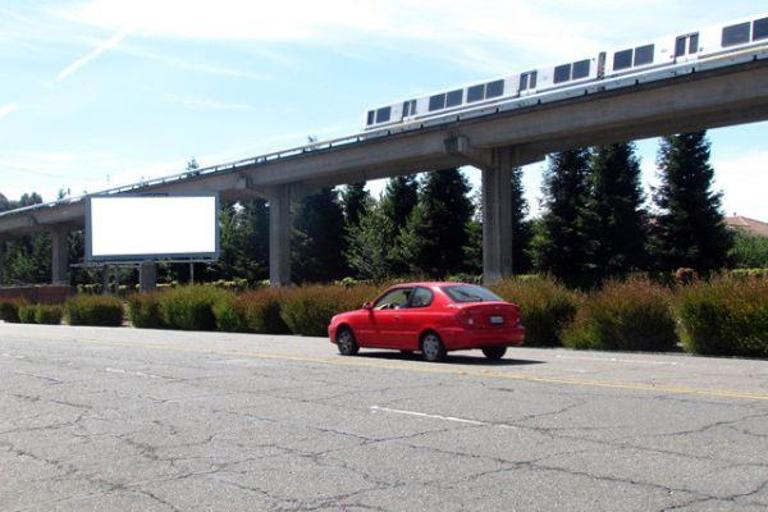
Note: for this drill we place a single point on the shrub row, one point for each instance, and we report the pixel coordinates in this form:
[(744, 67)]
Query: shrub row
[(9, 310), (40, 314), (727, 315)]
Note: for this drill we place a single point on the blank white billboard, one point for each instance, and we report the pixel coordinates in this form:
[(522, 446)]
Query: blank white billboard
[(158, 227)]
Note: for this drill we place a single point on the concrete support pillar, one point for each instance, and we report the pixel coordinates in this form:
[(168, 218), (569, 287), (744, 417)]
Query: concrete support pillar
[(280, 236), (147, 276), (497, 216), (59, 263)]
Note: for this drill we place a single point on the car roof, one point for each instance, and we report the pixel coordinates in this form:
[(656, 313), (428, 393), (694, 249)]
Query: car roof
[(431, 284)]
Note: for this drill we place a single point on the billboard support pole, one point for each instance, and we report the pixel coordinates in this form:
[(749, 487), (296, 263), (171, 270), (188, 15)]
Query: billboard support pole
[(105, 280), (147, 276)]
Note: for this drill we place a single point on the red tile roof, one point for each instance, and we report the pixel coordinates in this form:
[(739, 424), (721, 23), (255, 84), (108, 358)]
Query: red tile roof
[(752, 226)]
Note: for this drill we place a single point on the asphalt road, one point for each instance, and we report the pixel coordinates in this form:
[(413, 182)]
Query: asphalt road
[(121, 419)]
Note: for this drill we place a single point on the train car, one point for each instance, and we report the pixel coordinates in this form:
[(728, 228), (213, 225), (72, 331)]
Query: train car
[(711, 43)]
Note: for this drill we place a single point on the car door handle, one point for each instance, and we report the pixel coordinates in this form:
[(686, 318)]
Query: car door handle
[(397, 318)]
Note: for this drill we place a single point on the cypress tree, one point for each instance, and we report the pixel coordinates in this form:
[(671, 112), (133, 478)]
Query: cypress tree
[(400, 198), (319, 238), (689, 229), (615, 218), (562, 246), (355, 200), (434, 239), (521, 228), (370, 253)]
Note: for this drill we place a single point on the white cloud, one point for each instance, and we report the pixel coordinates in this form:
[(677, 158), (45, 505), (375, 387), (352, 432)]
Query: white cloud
[(93, 54), (7, 109), (743, 178), (455, 29)]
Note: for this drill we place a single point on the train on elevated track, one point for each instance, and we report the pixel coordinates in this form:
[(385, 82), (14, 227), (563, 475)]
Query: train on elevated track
[(717, 42)]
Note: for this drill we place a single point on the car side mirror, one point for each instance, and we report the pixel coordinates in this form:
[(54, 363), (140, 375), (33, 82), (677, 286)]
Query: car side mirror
[(368, 306)]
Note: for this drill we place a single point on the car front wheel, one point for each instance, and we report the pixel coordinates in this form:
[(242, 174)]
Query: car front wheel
[(346, 342), (494, 353), (432, 347)]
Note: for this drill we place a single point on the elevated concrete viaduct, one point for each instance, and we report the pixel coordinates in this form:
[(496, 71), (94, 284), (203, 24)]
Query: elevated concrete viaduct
[(496, 141)]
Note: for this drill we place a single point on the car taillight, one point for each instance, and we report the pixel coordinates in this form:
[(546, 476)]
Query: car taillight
[(466, 319)]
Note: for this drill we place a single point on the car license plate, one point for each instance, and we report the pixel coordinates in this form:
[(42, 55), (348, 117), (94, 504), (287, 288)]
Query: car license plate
[(497, 320)]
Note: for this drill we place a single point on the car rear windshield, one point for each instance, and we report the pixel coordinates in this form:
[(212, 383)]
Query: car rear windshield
[(468, 293)]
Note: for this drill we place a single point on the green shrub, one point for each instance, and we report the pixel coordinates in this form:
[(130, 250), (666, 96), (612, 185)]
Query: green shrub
[(229, 316), (9, 310), (27, 314), (726, 316), (40, 314), (144, 311), (308, 310), (49, 315), (191, 307), (97, 310), (262, 310), (546, 306), (632, 315), (749, 273)]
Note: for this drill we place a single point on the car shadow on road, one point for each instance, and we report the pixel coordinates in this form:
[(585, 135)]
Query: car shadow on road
[(467, 360)]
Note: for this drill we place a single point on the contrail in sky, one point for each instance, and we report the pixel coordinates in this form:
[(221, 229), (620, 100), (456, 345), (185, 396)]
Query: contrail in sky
[(88, 57)]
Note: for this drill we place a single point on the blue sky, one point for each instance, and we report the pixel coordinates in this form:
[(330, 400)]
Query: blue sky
[(98, 93)]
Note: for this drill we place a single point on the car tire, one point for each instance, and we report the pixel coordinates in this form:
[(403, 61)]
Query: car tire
[(346, 342), (432, 348), (494, 353)]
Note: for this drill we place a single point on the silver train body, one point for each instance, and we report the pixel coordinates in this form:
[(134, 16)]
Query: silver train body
[(711, 43)]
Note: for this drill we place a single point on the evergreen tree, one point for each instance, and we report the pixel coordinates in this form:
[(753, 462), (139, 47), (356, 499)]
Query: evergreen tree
[(616, 219), (26, 260), (355, 200), (370, 253), (690, 229), (562, 247), (319, 238), (434, 239), (5, 204), (400, 198), (521, 228)]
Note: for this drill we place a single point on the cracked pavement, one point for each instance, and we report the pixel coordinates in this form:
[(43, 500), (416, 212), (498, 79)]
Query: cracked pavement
[(122, 419)]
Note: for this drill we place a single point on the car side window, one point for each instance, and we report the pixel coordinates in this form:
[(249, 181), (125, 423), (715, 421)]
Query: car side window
[(422, 298), (394, 299)]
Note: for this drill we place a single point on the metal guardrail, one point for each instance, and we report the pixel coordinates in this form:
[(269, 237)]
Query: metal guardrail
[(504, 107)]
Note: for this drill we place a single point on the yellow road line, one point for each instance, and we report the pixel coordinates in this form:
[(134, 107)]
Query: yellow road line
[(448, 370)]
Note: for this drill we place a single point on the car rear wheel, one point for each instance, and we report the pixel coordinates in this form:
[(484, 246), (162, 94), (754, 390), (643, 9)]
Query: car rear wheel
[(346, 342), (432, 347), (494, 353)]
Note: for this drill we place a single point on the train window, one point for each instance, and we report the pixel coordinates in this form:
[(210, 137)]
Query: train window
[(475, 93), (562, 73), (581, 69), (437, 102), (494, 89), (693, 44), (371, 113), (622, 60), (736, 34), (680, 46), (687, 45), (644, 55), (454, 98), (528, 81), (383, 115), (760, 30)]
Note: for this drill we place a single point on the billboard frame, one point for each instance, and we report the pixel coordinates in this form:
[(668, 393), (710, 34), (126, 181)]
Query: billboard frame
[(205, 257)]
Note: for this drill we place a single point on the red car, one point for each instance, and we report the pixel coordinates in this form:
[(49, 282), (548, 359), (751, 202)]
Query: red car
[(433, 318)]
